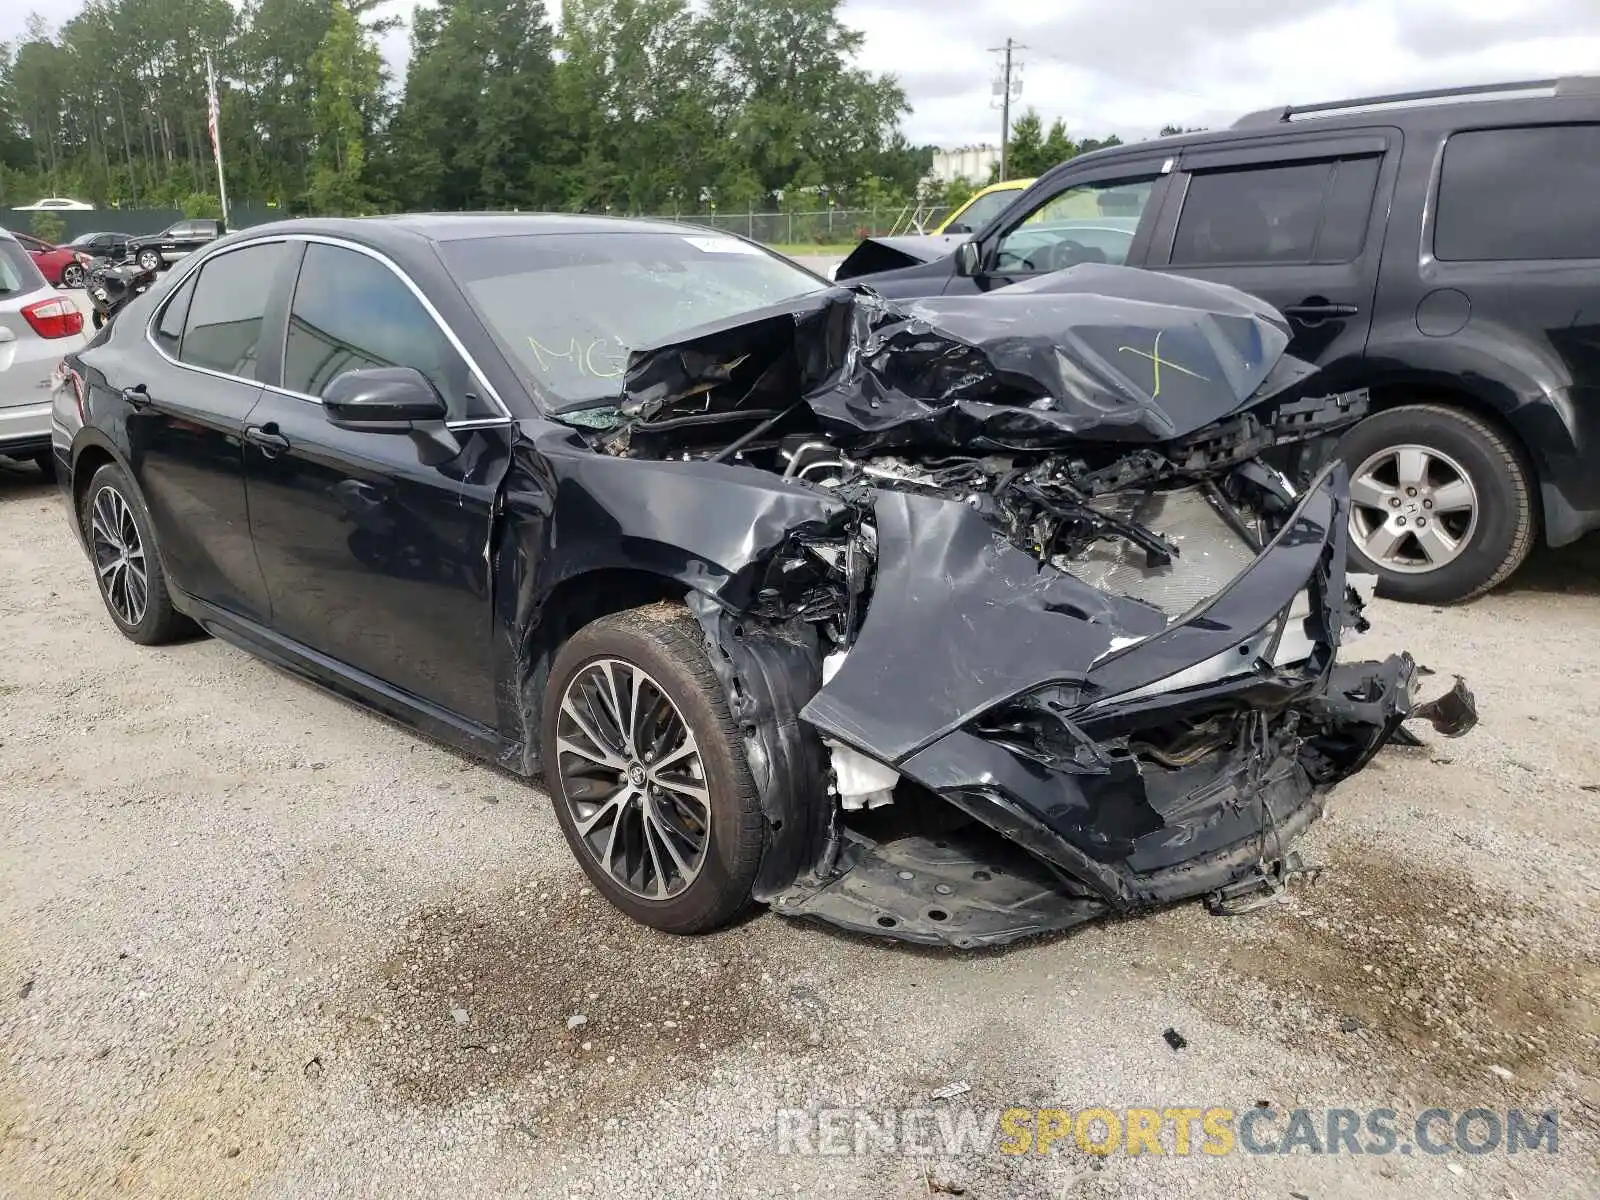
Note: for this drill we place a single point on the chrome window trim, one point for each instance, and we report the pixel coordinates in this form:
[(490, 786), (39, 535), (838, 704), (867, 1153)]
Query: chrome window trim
[(197, 261)]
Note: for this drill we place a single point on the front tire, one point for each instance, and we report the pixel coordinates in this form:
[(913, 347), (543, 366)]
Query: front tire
[(72, 275), (149, 260), (127, 566), (1441, 503), (647, 772)]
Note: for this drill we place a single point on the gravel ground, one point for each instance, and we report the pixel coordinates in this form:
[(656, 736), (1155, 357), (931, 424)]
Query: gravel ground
[(255, 941)]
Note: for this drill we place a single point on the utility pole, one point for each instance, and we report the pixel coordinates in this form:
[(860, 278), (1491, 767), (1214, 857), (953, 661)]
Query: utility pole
[(1008, 87)]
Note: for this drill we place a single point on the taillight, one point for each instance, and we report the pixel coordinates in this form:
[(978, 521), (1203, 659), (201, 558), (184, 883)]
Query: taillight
[(54, 318)]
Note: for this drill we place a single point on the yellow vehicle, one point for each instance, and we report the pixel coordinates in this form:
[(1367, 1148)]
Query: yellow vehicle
[(984, 206)]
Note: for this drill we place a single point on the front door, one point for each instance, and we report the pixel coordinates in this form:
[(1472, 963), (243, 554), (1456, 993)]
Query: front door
[(375, 545), (1103, 214)]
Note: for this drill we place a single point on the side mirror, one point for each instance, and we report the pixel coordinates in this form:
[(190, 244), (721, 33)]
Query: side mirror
[(968, 262), (382, 400)]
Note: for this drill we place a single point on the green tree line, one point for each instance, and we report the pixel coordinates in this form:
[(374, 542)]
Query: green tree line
[(632, 105), (622, 105)]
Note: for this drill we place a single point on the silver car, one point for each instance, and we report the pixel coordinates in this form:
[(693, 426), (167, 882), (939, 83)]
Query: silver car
[(38, 325)]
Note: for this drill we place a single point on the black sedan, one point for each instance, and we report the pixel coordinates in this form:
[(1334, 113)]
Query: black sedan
[(954, 623)]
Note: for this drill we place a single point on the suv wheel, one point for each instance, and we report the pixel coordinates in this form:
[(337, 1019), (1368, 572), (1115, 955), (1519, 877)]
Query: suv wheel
[(647, 771), (149, 260), (1441, 507)]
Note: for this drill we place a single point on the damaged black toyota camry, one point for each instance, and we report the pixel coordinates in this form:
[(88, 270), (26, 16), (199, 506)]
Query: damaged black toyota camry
[(952, 621)]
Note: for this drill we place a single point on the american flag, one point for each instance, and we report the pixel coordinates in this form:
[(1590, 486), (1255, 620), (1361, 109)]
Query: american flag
[(211, 111)]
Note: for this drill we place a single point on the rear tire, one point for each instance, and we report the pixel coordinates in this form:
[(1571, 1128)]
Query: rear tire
[(127, 564), (669, 860), (1459, 528)]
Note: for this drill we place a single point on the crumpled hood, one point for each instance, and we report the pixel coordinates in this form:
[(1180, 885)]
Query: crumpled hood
[(1095, 352), (878, 254)]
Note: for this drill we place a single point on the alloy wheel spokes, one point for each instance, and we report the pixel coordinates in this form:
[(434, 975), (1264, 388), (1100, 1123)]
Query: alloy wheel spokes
[(1412, 508), (632, 777), (119, 557)]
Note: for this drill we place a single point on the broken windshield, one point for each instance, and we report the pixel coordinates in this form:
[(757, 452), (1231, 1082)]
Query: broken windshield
[(571, 309)]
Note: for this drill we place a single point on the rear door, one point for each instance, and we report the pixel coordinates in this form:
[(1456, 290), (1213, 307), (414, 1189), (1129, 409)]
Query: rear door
[(1299, 224), (189, 382)]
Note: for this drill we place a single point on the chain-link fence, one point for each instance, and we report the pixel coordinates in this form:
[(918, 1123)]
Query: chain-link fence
[(832, 227), (836, 226)]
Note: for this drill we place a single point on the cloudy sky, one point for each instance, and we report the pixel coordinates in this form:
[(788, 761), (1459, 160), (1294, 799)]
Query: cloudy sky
[(1130, 66)]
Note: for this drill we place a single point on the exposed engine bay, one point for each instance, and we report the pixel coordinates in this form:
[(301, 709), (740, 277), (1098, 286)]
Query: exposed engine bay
[(1061, 635)]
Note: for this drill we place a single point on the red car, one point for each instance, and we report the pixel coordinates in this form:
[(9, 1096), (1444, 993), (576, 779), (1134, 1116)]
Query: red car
[(62, 266)]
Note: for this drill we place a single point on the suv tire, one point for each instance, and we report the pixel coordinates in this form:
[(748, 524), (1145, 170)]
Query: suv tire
[(1441, 503), (680, 855)]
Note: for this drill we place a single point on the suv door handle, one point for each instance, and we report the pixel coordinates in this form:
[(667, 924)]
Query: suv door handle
[(1317, 309), (267, 439), (136, 397)]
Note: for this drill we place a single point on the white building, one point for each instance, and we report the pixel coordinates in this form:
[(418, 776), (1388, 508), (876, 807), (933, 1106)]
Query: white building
[(965, 162)]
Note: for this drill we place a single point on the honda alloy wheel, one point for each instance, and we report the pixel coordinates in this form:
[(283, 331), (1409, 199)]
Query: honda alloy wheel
[(1441, 503), (647, 772)]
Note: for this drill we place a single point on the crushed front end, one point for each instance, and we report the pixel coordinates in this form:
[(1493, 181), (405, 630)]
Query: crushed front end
[(1072, 643)]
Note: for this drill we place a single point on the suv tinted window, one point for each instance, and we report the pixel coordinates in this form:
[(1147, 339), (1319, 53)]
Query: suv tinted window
[(1520, 194), (1313, 212), (349, 312), (229, 299)]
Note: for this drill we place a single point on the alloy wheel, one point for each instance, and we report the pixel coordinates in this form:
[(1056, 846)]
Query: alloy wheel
[(72, 276), (1412, 508), (149, 260), (118, 556), (632, 779)]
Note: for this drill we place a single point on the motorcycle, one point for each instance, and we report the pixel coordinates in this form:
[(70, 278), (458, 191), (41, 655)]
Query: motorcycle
[(112, 284)]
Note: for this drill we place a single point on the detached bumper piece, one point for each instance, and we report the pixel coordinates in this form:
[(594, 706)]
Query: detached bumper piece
[(965, 889)]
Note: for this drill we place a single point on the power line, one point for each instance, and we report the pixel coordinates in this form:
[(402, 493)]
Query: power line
[(1008, 86)]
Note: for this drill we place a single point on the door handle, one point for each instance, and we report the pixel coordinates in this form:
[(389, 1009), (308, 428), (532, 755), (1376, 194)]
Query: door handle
[(267, 439), (136, 397), (1317, 309)]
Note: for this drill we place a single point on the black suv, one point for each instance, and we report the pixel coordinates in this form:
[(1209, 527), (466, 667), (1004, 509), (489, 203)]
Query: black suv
[(1440, 248), (158, 250)]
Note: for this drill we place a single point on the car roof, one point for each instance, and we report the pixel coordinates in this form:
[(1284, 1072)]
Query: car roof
[(1005, 185), (452, 227), (1489, 104)]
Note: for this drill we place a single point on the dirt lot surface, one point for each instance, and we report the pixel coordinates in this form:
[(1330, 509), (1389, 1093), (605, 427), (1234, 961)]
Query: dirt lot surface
[(254, 941)]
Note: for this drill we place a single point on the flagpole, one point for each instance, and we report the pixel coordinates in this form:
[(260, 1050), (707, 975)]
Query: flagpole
[(214, 119)]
